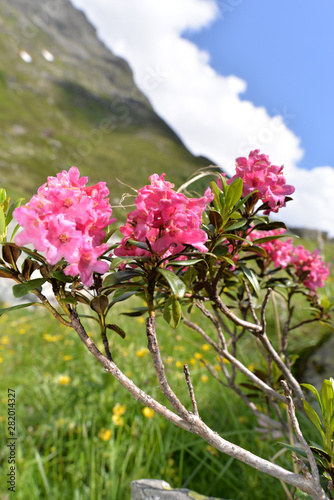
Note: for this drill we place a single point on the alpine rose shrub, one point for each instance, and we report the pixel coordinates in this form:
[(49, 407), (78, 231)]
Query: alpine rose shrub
[(309, 267), (258, 174), (166, 219), (67, 220)]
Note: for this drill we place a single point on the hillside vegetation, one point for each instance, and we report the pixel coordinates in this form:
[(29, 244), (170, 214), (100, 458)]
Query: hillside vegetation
[(75, 103)]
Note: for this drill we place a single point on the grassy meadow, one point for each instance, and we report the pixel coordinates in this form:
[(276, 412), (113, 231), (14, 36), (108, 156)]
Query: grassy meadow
[(81, 436)]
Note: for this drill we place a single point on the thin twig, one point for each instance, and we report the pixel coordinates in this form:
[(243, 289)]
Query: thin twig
[(234, 318), (250, 301), (303, 467), (263, 309), (300, 437), (191, 389), (225, 354), (284, 369)]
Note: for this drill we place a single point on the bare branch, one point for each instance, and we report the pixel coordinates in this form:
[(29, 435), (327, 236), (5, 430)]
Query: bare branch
[(293, 383), (234, 318), (197, 426), (153, 347), (191, 389), (225, 354), (300, 437)]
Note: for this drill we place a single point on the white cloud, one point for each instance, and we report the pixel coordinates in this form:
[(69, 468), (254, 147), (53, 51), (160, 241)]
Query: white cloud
[(205, 108)]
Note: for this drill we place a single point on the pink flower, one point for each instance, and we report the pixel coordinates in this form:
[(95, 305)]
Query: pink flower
[(258, 174), (167, 219), (67, 219), (278, 251), (310, 269)]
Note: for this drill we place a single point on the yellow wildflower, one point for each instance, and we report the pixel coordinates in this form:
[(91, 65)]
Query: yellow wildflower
[(105, 434), (198, 355), (117, 420), (169, 360), (67, 357), (142, 352), (179, 348), (204, 378), (141, 320), (1, 359), (148, 412), (217, 368), (251, 367), (64, 379), (179, 364), (4, 340), (51, 338), (119, 409), (52, 449), (192, 361), (206, 347), (22, 331)]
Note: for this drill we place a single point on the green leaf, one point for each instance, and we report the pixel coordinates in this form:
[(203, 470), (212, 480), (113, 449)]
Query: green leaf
[(122, 297), (219, 198), (20, 306), (9, 216), (177, 286), (117, 329), (243, 200), (315, 392), (68, 300), (3, 195), (137, 311), (250, 275), (2, 223), (24, 288), (61, 276), (234, 193), (255, 249), (118, 277), (237, 225), (99, 304), (172, 312), (270, 226), (110, 233), (33, 254), (327, 397), (314, 417), (270, 238), (139, 244), (185, 263), (215, 219), (125, 288)]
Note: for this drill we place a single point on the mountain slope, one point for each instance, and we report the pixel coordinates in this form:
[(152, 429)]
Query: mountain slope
[(75, 103)]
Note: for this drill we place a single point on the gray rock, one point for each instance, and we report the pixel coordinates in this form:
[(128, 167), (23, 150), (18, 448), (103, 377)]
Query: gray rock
[(156, 489)]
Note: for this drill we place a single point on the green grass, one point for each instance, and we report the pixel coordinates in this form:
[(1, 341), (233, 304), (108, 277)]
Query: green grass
[(68, 446), (61, 453)]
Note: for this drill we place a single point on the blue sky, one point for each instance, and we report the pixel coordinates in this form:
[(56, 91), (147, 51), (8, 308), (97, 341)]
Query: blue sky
[(284, 50), (231, 76)]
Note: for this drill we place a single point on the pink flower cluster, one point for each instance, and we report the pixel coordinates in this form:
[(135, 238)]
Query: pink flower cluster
[(279, 250), (67, 220), (259, 174), (167, 219), (309, 267)]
